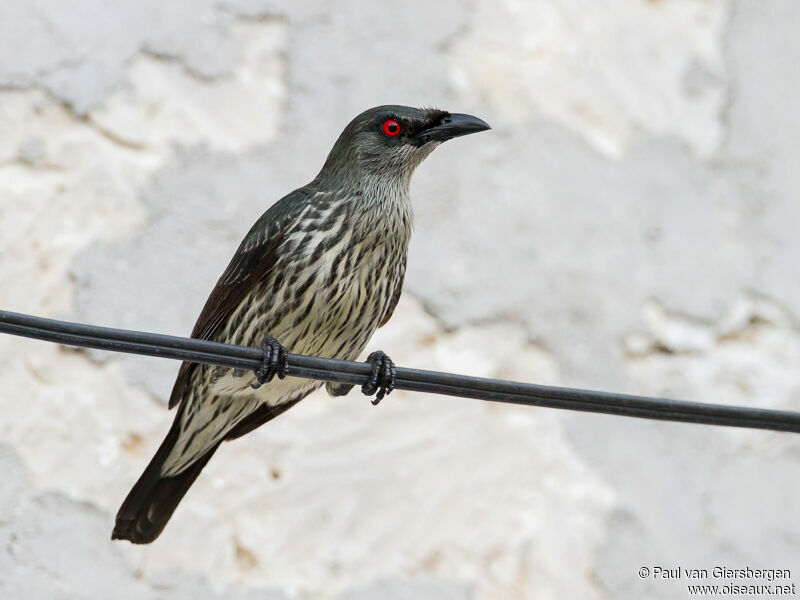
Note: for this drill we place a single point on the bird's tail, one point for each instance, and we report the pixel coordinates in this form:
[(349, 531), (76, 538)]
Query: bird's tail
[(151, 502)]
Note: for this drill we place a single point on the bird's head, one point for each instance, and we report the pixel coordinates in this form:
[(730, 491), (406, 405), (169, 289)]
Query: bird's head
[(391, 141)]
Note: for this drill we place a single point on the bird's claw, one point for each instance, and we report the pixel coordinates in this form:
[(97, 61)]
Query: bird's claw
[(382, 378), (274, 362)]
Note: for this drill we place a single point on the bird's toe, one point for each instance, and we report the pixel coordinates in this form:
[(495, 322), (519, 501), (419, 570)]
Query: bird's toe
[(381, 380)]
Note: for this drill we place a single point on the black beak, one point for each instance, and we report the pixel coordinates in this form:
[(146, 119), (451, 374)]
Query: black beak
[(451, 126)]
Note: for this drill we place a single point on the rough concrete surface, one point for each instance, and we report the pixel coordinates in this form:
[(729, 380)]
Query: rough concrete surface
[(630, 223)]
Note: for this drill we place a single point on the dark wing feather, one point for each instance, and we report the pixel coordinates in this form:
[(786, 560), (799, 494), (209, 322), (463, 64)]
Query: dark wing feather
[(253, 261), (260, 416)]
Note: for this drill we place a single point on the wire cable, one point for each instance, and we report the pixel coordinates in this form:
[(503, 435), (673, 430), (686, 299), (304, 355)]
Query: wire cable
[(435, 382)]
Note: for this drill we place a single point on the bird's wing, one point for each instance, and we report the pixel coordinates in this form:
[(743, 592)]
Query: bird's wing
[(259, 416), (253, 261)]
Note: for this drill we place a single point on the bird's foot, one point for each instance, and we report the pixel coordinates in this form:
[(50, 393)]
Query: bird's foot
[(274, 362), (382, 378)]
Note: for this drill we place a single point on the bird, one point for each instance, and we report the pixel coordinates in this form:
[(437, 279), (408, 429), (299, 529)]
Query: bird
[(317, 274)]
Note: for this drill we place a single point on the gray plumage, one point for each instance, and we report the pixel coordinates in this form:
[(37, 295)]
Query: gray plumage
[(320, 271)]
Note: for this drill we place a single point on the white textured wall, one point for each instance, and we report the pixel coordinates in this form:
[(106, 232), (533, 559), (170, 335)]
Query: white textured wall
[(630, 223)]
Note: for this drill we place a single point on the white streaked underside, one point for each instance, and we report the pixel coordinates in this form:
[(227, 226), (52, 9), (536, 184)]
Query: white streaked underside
[(333, 320)]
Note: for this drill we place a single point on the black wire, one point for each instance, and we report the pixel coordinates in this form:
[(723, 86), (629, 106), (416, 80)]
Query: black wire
[(327, 369)]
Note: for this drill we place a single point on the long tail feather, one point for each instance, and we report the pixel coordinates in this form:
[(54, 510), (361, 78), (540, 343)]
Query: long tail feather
[(151, 502)]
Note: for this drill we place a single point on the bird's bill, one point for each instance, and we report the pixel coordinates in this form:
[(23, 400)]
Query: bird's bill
[(454, 125)]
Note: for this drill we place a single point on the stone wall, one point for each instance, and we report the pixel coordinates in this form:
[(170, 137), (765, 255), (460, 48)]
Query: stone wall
[(629, 224)]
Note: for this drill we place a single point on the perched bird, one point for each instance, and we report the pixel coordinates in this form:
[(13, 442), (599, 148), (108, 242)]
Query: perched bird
[(320, 271)]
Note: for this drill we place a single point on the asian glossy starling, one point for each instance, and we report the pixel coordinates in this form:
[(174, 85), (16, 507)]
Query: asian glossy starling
[(320, 271)]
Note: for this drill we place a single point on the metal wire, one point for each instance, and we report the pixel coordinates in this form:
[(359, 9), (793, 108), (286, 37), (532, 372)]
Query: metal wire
[(326, 369)]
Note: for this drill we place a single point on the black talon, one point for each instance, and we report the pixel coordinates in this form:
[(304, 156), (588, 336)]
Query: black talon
[(382, 378), (274, 362)]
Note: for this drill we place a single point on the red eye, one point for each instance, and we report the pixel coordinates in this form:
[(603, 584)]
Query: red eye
[(391, 128)]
